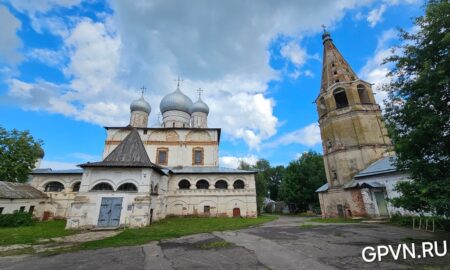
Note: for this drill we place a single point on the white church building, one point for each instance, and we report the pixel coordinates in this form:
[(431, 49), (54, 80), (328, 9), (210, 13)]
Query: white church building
[(150, 173)]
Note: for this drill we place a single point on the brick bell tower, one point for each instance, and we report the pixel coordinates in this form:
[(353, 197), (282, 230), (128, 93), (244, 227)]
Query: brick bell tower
[(353, 134)]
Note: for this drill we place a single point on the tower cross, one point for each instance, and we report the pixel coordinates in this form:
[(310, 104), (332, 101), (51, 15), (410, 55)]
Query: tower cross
[(143, 90), (324, 28), (178, 81), (199, 91)]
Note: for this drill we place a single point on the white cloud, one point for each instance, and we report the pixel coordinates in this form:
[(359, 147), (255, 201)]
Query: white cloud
[(294, 53), (234, 162), (42, 6), (375, 15), (9, 41), (219, 46), (46, 56), (374, 71), (308, 136)]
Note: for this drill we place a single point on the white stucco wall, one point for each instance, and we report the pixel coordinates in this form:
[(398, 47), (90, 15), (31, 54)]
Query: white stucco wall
[(221, 201), (179, 142), (58, 202), (389, 180), (136, 206), (11, 205)]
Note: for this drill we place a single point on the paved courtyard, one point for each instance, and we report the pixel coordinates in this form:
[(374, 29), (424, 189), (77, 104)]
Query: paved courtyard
[(281, 244)]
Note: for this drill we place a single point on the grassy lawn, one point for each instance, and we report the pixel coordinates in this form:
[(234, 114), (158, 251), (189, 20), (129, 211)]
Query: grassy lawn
[(335, 220), (32, 234), (307, 226), (172, 228)]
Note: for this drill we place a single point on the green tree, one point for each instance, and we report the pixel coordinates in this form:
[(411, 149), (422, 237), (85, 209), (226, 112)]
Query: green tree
[(301, 179), (418, 111), (275, 177), (262, 167), (18, 154)]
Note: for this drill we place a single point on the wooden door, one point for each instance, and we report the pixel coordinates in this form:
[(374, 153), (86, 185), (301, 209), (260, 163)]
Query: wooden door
[(236, 212), (381, 203), (109, 215)]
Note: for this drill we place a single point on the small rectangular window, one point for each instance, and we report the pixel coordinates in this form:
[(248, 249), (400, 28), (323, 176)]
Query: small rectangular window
[(31, 210), (145, 131), (206, 209), (22, 209), (162, 158), (198, 157)]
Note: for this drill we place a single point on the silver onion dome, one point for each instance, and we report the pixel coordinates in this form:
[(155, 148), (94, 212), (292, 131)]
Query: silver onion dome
[(176, 101), (200, 106), (140, 105)]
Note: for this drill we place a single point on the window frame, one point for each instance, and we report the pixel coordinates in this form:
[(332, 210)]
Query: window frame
[(201, 180), (47, 185), (158, 151), (194, 160), (341, 93), (100, 190), (239, 181), (127, 184), (184, 187)]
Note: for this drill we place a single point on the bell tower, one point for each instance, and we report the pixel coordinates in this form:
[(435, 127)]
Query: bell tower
[(352, 131)]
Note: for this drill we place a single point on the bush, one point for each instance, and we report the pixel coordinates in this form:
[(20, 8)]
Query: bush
[(440, 222), (16, 219)]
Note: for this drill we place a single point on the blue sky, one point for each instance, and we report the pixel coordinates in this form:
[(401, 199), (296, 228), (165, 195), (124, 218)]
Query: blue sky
[(70, 67)]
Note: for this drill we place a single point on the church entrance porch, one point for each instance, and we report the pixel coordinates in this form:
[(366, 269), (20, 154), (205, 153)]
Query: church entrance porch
[(109, 215)]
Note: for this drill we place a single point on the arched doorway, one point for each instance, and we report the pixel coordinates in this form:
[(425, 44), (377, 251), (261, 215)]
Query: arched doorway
[(236, 212)]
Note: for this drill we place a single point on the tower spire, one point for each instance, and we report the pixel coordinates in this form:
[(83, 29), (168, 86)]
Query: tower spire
[(335, 68)]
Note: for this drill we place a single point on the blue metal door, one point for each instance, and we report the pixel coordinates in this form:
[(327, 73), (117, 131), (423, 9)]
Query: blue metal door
[(110, 212)]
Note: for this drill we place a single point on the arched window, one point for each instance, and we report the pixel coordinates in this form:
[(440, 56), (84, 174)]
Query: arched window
[(184, 184), (221, 184), (202, 184), (155, 190), (363, 95), (238, 184), (322, 106), (54, 187), (102, 186), (127, 187), (76, 187), (340, 97)]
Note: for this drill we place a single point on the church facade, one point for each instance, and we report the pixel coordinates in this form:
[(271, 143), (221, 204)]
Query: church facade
[(147, 174)]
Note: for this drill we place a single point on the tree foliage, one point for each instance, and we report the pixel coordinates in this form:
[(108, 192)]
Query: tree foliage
[(18, 154), (301, 179), (262, 166), (274, 178), (418, 111)]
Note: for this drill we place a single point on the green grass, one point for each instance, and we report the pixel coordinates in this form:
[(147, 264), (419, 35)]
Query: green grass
[(173, 228), (17, 252), (335, 220), (32, 234), (216, 244), (307, 226)]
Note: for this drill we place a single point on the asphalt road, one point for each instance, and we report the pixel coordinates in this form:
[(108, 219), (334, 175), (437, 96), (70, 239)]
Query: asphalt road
[(280, 244)]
